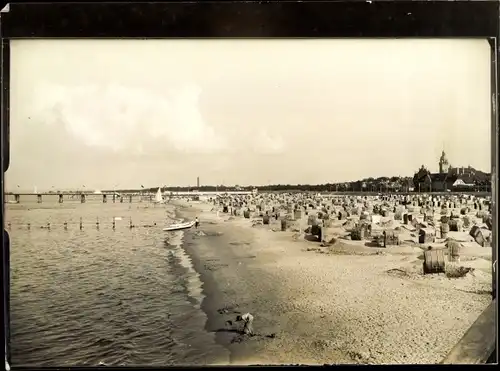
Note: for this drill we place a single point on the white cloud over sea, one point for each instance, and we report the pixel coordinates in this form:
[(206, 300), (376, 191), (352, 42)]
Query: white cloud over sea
[(123, 118)]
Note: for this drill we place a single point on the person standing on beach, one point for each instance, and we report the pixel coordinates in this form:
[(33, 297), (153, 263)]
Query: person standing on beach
[(247, 318), (196, 222)]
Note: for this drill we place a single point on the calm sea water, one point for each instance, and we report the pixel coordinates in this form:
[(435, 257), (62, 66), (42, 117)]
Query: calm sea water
[(103, 296)]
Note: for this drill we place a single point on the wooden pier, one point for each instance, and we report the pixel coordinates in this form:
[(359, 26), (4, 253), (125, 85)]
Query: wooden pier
[(15, 197), (115, 197)]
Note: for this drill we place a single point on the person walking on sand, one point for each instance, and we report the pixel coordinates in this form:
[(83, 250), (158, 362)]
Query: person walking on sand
[(196, 222), (247, 319)]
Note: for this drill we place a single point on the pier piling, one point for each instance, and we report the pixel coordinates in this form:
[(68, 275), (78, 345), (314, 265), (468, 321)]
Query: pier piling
[(17, 198), (39, 199), (61, 199), (66, 225), (121, 199), (104, 199), (114, 198), (130, 199), (82, 198)]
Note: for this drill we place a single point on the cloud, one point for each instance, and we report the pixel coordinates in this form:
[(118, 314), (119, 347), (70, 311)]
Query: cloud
[(129, 119)]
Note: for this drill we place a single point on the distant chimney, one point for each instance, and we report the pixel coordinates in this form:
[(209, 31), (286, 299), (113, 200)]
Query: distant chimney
[(198, 182)]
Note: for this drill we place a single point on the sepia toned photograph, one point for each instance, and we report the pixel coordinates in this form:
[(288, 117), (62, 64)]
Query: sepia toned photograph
[(238, 202)]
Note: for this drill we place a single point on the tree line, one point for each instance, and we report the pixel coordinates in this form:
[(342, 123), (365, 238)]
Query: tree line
[(482, 181), (381, 184)]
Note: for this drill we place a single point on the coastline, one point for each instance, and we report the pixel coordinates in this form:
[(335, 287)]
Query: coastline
[(213, 292), (324, 309), (194, 286), (209, 290)]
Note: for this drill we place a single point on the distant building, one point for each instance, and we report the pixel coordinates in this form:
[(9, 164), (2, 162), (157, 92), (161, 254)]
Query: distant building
[(451, 178), (444, 165), (461, 182)]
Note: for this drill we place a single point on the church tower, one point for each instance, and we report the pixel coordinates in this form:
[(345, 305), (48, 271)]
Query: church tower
[(443, 163)]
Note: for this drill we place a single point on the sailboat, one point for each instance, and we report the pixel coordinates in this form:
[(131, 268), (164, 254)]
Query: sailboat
[(158, 197)]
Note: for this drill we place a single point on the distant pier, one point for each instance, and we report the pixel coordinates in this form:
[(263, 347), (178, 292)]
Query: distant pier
[(10, 197), (17, 197)]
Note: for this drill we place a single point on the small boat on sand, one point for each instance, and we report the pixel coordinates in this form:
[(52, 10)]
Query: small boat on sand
[(179, 226)]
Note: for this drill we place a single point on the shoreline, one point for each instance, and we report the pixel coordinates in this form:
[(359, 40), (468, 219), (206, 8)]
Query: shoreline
[(209, 290), (323, 308), (213, 303), (195, 291)]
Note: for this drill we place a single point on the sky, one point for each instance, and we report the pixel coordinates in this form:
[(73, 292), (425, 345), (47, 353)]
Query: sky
[(124, 113)]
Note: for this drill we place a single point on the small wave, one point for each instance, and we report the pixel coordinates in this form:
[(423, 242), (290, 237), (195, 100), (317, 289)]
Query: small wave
[(194, 283), (102, 342)]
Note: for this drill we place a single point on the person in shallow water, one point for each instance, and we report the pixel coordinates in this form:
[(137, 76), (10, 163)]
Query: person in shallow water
[(247, 319), (196, 222)]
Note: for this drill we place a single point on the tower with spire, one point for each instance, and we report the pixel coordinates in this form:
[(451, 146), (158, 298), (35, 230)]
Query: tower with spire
[(444, 165)]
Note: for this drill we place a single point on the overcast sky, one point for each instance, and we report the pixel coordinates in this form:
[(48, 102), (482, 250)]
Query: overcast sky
[(105, 113)]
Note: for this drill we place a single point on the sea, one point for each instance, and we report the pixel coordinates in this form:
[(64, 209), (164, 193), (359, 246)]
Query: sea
[(103, 295)]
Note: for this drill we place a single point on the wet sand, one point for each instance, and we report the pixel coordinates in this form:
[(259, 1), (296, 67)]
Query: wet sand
[(350, 305)]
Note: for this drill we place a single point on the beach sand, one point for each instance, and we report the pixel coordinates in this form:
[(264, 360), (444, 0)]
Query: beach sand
[(350, 304)]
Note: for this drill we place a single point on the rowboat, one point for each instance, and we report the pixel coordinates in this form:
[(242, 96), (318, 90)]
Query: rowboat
[(178, 226)]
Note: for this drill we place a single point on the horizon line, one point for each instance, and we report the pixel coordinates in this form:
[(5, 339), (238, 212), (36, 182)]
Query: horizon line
[(53, 188)]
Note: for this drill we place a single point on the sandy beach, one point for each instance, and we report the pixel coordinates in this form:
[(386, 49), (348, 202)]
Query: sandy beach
[(348, 304)]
